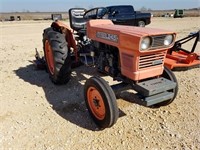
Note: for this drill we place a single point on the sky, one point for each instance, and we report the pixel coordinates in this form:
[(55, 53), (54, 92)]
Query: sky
[(64, 5)]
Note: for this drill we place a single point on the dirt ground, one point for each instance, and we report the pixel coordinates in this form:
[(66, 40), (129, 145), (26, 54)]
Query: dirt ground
[(36, 114)]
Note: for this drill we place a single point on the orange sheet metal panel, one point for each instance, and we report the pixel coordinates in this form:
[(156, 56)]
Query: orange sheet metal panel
[(127, 39)]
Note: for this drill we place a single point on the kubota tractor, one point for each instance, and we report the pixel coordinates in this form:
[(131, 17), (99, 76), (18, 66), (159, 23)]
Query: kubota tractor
[(132, 56)]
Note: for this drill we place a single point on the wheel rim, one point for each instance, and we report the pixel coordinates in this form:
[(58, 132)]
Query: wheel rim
[(49, 57), (96, 103), (141, 24)]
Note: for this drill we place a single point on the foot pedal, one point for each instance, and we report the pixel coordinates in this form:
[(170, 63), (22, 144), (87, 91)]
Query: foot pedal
[(87, 59)]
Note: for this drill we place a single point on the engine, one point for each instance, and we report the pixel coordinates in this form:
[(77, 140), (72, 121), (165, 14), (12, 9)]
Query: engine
[(106, 57), (103, 56)]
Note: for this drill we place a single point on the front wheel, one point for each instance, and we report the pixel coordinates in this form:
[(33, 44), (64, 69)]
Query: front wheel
[(101, 102)]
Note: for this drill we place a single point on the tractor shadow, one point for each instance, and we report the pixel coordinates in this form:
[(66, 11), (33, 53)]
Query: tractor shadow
[(66, 100)]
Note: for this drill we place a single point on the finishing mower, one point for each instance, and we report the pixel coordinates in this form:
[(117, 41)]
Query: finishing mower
[(132, 56), (180, 58)]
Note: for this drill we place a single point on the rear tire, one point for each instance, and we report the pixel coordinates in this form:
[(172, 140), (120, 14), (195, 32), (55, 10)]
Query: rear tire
[(57, 56), (168, 74), (101, 102)]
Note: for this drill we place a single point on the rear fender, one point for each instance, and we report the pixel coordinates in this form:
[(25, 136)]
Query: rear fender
[(63, 28)]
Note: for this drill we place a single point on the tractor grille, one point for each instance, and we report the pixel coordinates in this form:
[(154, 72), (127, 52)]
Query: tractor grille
[(158, 41), (150, 60)]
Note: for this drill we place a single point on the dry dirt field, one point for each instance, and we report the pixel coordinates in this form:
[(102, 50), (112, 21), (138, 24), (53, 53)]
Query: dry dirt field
[(36, 114)]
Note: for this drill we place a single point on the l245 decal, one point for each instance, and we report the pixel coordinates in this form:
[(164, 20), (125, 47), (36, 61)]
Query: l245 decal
[(107, 36)]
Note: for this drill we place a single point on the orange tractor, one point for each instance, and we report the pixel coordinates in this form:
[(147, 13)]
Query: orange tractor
[(133, 56)]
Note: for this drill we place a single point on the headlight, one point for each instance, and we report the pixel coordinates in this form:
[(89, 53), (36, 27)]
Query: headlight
[(168, 40), (145, 43)]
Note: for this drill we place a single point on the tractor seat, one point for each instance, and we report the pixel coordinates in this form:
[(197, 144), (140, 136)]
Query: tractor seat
[(77, 22)]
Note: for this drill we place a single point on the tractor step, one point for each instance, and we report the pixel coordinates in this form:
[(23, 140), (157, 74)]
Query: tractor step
[(154, 86), (158, 98)]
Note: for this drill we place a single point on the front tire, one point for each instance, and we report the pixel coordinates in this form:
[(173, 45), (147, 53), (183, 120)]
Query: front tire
[(57, 56), (101, 102)]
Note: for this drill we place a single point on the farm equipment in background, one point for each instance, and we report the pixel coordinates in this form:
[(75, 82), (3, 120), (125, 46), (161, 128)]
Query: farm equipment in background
[(179, 13), (12, 18), (180, 58), (56, 17), (132, 56)]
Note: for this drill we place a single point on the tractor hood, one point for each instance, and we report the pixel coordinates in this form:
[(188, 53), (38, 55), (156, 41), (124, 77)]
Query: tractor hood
[(107, 25), (127, 37)]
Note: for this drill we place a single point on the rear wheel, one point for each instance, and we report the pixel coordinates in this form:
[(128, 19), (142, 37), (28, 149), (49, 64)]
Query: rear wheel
[(57, 56), (168, 74), (101, 102)]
